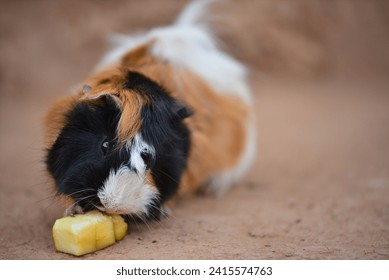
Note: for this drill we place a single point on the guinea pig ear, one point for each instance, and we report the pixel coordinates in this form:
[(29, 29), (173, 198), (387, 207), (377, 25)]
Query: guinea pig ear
[(182, 111), (86, 89), (111, 100), (107, 98)]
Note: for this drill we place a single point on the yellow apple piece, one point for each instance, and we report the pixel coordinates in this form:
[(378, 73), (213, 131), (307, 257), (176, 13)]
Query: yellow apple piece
[(119, 227), (86, 233)]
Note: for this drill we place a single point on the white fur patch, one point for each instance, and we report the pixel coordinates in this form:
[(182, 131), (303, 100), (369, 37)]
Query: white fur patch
[(193, 48), (189, 45), (138, 146), (125, 192)]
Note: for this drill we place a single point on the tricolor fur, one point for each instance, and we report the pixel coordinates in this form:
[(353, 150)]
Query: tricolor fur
[(165, 113)]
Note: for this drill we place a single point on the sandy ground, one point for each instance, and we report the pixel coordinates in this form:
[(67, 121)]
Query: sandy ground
[(319, 188)]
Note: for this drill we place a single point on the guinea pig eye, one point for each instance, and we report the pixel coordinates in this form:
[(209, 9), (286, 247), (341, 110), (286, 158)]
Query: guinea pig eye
[(104, 147), (146, 156)]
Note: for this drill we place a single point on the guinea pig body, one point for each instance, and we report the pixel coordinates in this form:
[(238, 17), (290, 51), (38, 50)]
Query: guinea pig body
[(165, 113)]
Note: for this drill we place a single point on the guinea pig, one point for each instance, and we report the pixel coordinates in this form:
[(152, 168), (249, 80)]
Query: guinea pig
[(166, 113)]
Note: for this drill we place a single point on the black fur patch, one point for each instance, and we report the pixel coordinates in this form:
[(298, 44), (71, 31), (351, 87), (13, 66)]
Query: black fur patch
[(76, 161)]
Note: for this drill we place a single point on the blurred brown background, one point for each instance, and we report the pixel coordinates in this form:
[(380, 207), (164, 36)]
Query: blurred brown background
[(319, 188)]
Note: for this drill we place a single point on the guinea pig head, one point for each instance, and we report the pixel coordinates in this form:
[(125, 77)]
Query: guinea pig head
[(120, 145)]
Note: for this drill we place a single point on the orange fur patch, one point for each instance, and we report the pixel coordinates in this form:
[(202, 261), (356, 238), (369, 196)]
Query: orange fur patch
[(55, 119), (218, 132)]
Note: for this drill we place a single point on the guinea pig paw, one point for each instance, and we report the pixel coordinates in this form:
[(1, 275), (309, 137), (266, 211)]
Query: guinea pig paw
[(73, 210)]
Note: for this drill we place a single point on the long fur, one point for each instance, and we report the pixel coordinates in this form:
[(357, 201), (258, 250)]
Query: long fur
[(180, 110)]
